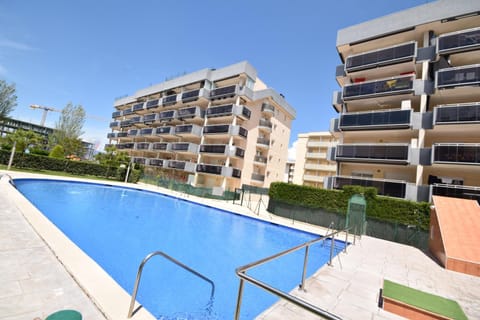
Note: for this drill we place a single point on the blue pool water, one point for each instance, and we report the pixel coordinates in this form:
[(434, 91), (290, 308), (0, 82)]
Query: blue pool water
[(118, 227)]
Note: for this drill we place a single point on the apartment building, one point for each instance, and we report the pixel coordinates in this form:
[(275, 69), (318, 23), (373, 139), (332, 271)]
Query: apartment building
[(311, 164), (409, 103), (218, 128)]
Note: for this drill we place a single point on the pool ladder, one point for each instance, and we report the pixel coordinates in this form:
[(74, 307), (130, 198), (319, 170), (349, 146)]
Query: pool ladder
[(166, 256)]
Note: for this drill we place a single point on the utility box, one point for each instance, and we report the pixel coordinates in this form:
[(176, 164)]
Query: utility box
[(356, 214)]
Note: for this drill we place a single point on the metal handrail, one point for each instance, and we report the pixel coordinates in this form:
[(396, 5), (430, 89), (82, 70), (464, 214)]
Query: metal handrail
[(241, 273), (139, 275)]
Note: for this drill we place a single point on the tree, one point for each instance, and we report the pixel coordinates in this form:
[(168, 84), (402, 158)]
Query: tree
[(112, 157), (24, 140), (57, 152), (8, 99), (68, 130)]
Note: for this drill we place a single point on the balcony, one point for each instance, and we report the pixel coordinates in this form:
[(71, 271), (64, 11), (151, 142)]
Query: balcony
[(139, 160), (260, 159), (157, 162), (132, 132), (264, 124), (190, 113), (382, 153), (229, 110), (123, 146), (181, 165), (169, 100), (225, 129), (166, 116), (258, 177), (262, 142), (391, 188), (150, 118), (320, 167), (142, 146), (376, 120), (111, 135), (188, 130), (115, 124), (268, 109), (219, 170), (127, 112), (164, 131), (382, 57), (458, 77), (376, 88), (313, 178), (457, 114), (185, 147), (152, 104), (464, 153), (116, 114), (456, 191), (146, 132), (125, 123), (459, 41), (138, 107), (161, 146), (223, 92), (190, 95), (316, 155), (121, 134), (136, 120)]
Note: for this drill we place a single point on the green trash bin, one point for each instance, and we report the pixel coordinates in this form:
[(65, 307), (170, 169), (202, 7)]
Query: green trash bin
[(65, 315)]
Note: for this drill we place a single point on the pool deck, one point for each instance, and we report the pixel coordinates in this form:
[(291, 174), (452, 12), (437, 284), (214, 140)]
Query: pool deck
[(41, 271)]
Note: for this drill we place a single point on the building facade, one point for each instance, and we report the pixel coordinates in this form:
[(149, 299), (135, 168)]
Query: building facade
[(218, 128), (409, 104), (311, 164)]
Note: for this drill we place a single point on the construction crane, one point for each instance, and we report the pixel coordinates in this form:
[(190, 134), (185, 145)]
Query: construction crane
[(47, 109)]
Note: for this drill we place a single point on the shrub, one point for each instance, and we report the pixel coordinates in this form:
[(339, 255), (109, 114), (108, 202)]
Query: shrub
[(57, 152)]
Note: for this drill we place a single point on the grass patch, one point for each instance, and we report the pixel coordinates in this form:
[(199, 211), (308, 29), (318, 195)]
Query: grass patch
[(423, 300), (55, 173)]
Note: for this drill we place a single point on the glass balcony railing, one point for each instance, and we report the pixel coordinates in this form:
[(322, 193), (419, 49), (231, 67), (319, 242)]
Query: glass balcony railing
[(260, 159), (116, 114), (386, 56), (388, 119), (152, 104), (464, 40), (121, 146), (111, 135), (239, 152), (212, 129), (184, 129), (136, 120), (236, 173), (456, 153), (125, 123), (363, 90), (266, 107), (132, 133), (220, 111), (171, 99), (139, 160), (156, 162), (149, 118), (142, 146), (458, 77), (176, 164), (265, 123), (258, 177), (126, 112), (457, 114), (114, 124), (160, 146), (146, 132), (373, 153), (190, 95), (180, 146), (242, 132), (190, 112), (122, 134), (223, 91), (456, 191), (389, 188), (163, 130), (263, 141), (213, 148), (208, 168), (137, 107), (167, 115)]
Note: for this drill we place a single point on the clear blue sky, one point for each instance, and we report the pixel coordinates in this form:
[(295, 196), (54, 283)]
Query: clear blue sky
[(89, 52)]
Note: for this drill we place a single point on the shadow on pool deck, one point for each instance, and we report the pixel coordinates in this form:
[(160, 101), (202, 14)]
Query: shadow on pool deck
[(36, 284)]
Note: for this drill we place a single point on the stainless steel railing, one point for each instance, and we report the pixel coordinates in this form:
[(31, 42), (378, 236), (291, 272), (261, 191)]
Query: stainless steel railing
[(160, 253), (242, 274)]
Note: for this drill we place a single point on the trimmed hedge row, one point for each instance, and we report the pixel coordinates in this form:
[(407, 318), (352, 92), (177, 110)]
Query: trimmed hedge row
[(38, 162), (381, 208)]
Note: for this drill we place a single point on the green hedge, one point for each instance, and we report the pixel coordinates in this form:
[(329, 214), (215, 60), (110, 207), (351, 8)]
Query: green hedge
[(38, 162), (381, 208)]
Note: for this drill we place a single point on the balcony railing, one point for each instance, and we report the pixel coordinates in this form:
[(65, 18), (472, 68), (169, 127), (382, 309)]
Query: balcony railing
[(457, 114), (266, 107), (263, 141), (136, 120), (458, 77), (239, 152), (363, 90), (171, 99), (213, 148), (387, 119), (260, 159), (190, 95), (208, 168), (125, 123), (185, 147), (121, 134), (149, 118), (223, 92), (156, 162), (114, 124), (122, 146), (258, 177), (176, 164), (139, 160), (142, 146), (138, 107), (386, 56), (372, 153), (184, 129), (220, 111), (161, 146), (164, 130), (459, 41), (152, 104), (456, 191), (167, 115), (132, 132), (116, 114), (111, 135), (389, 188), (126, 112), (146, 132), (456, 153), (265, 123), (190, 112)]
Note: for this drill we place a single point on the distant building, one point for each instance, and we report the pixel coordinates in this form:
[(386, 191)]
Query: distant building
[(409, 103), (311, 164), (9, 125), (289, 170), (218, 128)]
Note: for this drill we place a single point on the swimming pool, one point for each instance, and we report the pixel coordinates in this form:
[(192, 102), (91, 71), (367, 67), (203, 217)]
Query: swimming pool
[(118, 227)]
